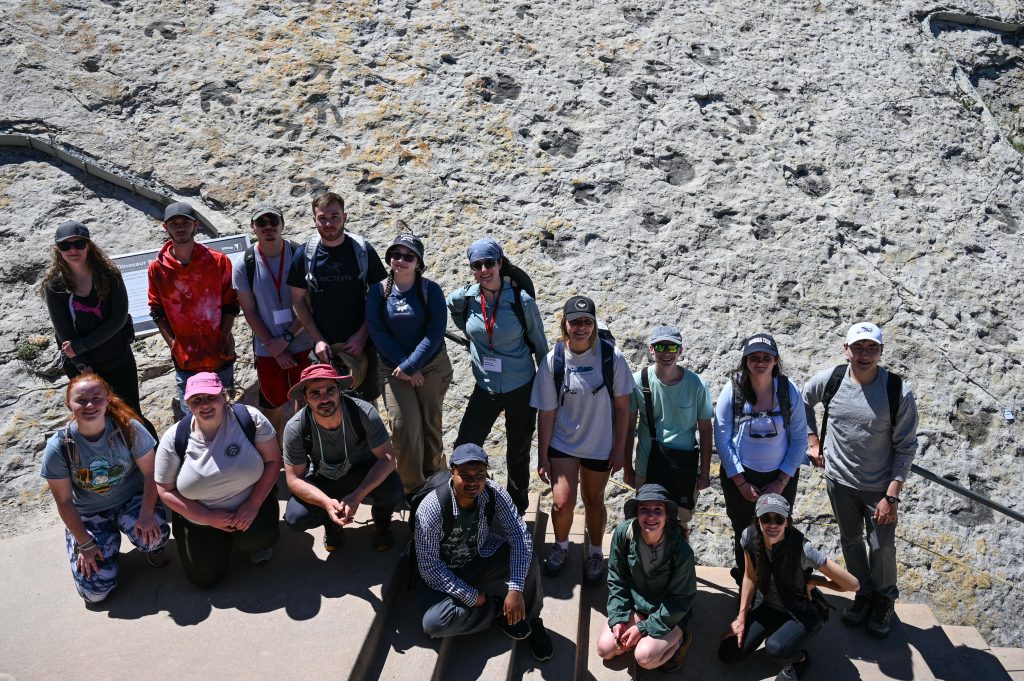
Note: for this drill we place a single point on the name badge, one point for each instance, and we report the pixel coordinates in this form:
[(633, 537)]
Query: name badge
[(283, 316), (492, 364)]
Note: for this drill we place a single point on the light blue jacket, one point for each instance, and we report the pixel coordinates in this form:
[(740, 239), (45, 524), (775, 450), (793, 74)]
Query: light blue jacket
[(728, 442)]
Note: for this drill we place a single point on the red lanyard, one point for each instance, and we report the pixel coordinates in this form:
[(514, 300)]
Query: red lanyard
[(489, 324), (280, 271)]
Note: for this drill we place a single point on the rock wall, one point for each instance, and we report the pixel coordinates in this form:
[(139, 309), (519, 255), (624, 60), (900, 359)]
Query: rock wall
[(720, 166)]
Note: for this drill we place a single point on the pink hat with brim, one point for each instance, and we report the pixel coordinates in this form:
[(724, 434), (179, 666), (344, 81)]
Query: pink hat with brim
[(203, 383), (316, 372)]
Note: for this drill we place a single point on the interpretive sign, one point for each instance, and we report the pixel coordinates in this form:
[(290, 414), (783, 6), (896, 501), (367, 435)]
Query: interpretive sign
[(133, 268)]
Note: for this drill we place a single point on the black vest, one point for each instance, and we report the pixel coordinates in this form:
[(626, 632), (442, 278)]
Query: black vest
[(790, 579)]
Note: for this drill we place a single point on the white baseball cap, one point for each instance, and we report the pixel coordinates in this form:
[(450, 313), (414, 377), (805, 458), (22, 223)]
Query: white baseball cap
[(864, 331)]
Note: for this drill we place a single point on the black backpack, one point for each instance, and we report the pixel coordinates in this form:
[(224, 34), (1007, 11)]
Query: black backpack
[(184, 428), (520, 281), (438, 484), (250, 260), (893, 391), (785, 406)]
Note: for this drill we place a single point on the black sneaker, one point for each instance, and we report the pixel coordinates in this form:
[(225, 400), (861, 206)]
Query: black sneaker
[(518, 631), (880, 621), (554, 563), (158, 558), (676, 661), (855, 615), (540, 640), (334, 537)]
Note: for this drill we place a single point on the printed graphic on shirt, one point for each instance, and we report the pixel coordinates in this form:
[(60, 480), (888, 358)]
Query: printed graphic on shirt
[(100, 477), (78, 306), (401, 308), (233, 450), (460, 547)]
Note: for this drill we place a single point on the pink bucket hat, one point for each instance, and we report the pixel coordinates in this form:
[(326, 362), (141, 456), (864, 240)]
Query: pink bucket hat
[(203, 383)]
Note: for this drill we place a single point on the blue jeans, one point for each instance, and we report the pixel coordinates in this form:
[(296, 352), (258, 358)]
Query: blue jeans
[(226, 375)]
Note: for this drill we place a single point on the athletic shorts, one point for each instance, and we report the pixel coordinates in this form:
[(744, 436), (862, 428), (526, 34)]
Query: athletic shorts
[(596, 465)]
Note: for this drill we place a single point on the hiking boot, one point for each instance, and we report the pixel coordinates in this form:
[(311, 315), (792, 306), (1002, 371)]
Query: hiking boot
[(260, 557), (555, 561), (676, 661), (383, 539), (540, 641), (593, 570), (334, 536), (854, 615), (737, 575), (879, 623), (159, 557), (518, 631)]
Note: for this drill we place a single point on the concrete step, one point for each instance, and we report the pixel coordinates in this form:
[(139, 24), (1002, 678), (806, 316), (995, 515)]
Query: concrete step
[(290, 598), (1012, 660)]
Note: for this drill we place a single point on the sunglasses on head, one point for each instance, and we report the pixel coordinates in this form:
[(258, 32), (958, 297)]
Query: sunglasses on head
[(403, 256), (666, 347), (483, 264), (77, 244), (267, 221), (772, 519)]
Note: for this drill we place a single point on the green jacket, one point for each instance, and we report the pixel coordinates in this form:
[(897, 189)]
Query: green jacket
[(665, 597)]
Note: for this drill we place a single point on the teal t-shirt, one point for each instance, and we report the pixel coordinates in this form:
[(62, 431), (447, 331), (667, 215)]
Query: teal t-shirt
[(461, 547), (677, 408), (105, 475)]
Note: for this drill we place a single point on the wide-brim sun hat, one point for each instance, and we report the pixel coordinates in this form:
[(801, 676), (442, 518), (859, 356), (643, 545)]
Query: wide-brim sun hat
[(348, 364), (651, 492), (316, 372)]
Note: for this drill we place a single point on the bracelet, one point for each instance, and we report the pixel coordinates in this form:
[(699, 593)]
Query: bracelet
[(86, 546)]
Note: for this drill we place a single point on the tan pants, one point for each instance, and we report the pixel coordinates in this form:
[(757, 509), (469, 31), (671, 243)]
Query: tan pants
[(415, 415)]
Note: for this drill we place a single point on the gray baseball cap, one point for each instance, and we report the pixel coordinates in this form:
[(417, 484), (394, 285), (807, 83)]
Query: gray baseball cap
[(180, 208), (265, 209), (668, 334)]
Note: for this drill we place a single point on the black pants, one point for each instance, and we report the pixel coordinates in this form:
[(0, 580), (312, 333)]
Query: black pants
[(384, 498), (205, 551), (520, 423), (741, 511), (783, 636), (124, 380)]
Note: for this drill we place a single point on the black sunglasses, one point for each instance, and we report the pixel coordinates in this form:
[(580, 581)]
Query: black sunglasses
[(762, 417), (666, 347), (404, 257), (77, 244), (483, 264), (772, 519), (267, 221)]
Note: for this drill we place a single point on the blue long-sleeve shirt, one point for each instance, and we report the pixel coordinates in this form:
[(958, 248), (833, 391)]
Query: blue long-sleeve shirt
[(429, 530), (518, 366), (407, 334), (729, 443)]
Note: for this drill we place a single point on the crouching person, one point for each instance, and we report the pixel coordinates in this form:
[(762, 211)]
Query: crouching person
[(470, 574), (652, 583), (337, 455)]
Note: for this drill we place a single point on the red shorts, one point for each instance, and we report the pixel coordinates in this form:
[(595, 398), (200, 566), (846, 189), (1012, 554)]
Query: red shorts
[(275, 382)]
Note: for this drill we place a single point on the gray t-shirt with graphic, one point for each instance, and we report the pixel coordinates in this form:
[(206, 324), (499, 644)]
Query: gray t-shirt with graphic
[(103, 473)]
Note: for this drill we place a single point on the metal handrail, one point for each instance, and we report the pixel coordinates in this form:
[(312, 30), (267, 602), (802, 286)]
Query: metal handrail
[(959, 489)]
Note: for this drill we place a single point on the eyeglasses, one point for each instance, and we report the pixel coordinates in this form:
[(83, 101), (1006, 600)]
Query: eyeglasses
[(762, 420), (867, 350), (202, 400), (772, 519), (77, 244), (483, 264), (666, 347), (403, 256), (267, 221)]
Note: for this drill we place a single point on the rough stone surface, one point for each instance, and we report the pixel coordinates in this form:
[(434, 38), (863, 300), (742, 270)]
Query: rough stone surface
[(723, 166)]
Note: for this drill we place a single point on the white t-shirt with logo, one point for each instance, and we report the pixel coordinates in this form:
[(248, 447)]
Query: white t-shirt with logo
[(219, 473)]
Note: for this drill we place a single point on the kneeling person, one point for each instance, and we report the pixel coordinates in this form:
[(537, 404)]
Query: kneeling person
[(352, 459), (652, 583), (466, 570)]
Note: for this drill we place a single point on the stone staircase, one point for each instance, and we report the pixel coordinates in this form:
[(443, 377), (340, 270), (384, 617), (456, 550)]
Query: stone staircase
[(349, 615)]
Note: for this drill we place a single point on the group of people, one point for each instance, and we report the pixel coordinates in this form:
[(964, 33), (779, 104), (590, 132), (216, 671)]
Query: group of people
[(334, 330)]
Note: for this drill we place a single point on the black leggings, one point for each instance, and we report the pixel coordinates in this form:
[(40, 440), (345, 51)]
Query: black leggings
[(783, 637), (205, 551)]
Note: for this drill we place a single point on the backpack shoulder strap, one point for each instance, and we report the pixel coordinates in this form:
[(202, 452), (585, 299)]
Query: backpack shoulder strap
[(645, 381), (444, 499), (558, 369), (309, 256), (245, 421), (307, 433), (355, 417), (181, 433), (362, 259), (831, 388), (250, 264), (894, 391), (785, 404), (607, 367), (520, 313), (67, 443)]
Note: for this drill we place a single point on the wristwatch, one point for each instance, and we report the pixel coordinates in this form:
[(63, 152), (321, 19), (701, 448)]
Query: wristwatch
[(891, 499), (288, 336)]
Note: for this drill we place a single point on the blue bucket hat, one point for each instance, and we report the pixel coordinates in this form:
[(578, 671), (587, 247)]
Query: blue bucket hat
[(484, 248)]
